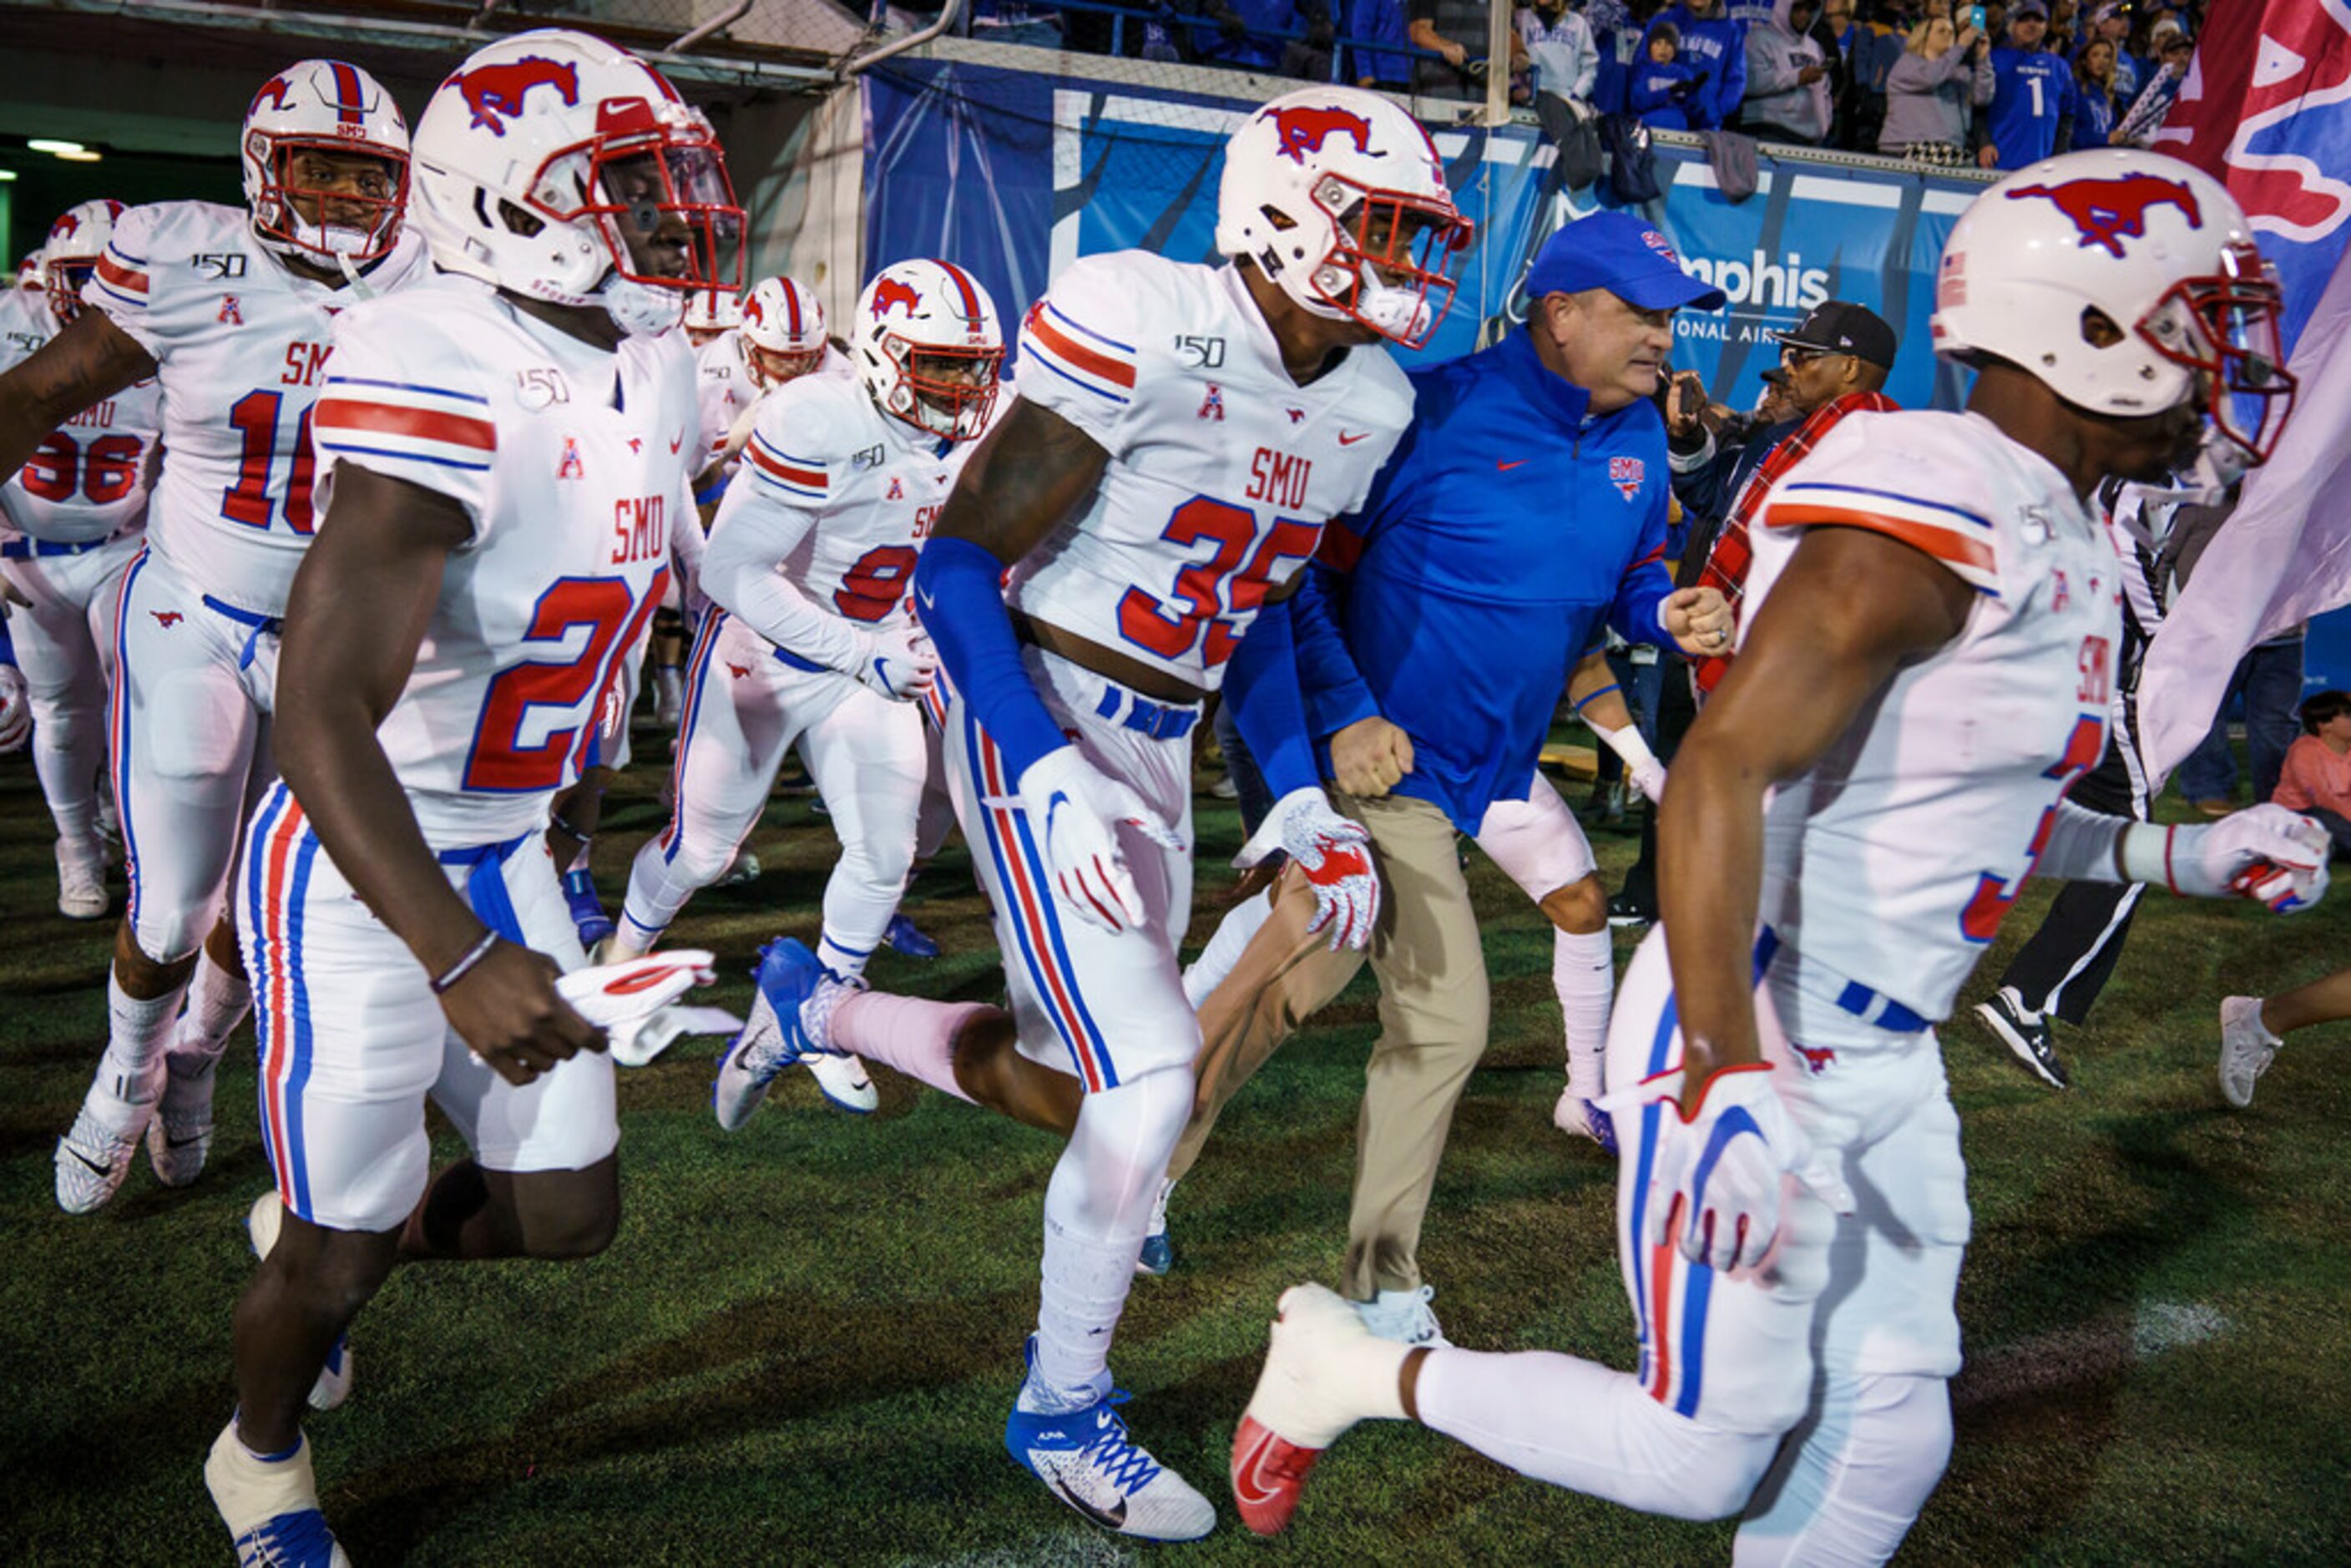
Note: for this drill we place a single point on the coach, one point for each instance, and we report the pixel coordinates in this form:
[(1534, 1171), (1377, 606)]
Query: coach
[(1435, 633)]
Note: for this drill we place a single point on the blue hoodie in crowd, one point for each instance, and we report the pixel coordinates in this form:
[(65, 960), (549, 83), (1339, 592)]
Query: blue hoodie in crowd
[(1715, 47)]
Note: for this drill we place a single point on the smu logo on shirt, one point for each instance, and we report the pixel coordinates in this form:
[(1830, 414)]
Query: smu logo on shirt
[(1279, 478), (640, 529), (1628, 473)]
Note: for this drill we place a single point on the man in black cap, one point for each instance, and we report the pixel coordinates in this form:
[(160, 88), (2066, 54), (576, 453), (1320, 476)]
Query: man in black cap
[(1840, 350)]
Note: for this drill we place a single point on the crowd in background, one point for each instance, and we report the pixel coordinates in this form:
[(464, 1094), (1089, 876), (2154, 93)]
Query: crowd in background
[(1998, 85)]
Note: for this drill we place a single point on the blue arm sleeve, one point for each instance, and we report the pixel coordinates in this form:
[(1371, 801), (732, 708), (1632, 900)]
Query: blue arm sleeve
[(956, 589), (1645, 585), (1334, 690), (1261, 688)]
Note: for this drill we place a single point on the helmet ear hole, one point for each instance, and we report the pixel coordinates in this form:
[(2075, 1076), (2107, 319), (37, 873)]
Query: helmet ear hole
[(2098, 329), (517, 221)]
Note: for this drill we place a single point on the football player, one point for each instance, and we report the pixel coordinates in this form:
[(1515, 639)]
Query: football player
[(72, 522), (234, 313), (504, 454), (1925, 665), (811, 638), (1181, 436)]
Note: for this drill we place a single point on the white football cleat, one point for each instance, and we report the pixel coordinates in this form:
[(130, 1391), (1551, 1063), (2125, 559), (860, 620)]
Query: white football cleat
[(1324, 1371), (1158, 1254), (789, 1025), (179, 1136), (94, 1156), (742, 868), (1404, 1317), (2247, 1048), (844, 1080), (271, 1509), (81, 879), (333, 1384), (1085, 1459)]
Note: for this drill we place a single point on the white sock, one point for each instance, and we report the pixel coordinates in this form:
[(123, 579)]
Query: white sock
[(1224, 947), (137, 1034), (1583, 971), (1084, 1294), (847, 962), (218, 1000)]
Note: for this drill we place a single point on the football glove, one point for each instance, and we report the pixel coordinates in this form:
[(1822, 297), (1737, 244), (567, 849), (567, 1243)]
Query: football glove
[(616, 998), (2265, 852), (899, 664), (15, 708), (1075, 810), (1715, 1189), (1334, 855)]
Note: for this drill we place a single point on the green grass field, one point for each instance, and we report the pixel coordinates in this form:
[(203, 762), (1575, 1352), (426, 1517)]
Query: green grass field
[(802, 1345)]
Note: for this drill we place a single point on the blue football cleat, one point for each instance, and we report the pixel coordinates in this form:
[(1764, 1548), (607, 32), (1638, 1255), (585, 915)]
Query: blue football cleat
[(1086, 1459), (795, 1001), (587, 910), (907, 941)]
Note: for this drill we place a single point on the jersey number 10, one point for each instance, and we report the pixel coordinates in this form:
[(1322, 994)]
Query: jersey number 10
[(1232, 583)]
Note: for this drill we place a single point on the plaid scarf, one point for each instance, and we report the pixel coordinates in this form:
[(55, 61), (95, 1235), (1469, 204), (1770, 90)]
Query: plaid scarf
[(1727, 562)]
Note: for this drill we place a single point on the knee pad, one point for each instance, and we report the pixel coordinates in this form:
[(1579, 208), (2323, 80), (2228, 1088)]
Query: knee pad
[(1119, 1152), (1850, 1481)]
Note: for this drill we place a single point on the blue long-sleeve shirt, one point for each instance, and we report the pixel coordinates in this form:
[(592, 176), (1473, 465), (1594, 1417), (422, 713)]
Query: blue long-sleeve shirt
[(1510, 522), (1715, 47)]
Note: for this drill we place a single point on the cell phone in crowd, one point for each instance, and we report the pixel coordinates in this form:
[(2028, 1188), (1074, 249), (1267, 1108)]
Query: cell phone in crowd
[(1975, 17)]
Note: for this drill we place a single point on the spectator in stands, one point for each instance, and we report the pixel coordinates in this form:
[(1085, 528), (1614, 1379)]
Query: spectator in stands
[(1836, 31), (2032, 94), (2112, 23), (1559, 42), (1254, 35), (1664, 92), (1929, 90), (1380, 22), (2317, 779), (1788, 95), (1714, 47), (2144, 118), (2094, 94), (1455, 30), (1620, 35), (1878, 42)]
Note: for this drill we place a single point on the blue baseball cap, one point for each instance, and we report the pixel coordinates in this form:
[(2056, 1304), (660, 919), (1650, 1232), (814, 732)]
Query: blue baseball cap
[(1625, 255)]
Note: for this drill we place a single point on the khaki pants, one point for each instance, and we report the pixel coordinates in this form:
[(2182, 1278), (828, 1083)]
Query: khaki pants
[(1433, 1017)]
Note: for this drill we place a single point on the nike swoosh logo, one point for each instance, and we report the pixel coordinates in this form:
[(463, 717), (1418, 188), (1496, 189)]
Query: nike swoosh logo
[(1347, 440), (922, 597), (171, 1142), (88, 1163), (1506, 467), (1112, 1517)]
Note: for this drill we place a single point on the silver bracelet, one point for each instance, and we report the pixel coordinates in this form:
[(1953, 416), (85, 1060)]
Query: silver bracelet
[(465, 965)]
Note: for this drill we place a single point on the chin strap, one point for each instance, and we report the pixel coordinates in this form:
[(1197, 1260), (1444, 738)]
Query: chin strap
[(351, 275)]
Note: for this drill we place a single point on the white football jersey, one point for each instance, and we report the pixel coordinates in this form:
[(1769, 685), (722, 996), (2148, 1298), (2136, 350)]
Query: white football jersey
[(89, 478), (1895, 858), (243, 345), (726, 389), (1222, 469), (571, 462), (843, 493)]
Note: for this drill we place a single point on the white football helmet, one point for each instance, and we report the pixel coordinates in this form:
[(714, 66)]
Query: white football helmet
[(711, 312), (563, 167), (1339, 196), (927, 346), (783, 331), (324, 105), (2126, 281), (75, 243), (28, 271)]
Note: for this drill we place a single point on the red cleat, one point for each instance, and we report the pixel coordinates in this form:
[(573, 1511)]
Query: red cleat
[(1269, 1476)]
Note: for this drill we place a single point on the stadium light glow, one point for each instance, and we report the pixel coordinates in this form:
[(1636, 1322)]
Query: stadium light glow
[(47, 144), (80, 155), (7, 174)]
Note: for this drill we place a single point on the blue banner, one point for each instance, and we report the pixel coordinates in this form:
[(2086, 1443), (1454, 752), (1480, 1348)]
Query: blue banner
[(1014, 174)]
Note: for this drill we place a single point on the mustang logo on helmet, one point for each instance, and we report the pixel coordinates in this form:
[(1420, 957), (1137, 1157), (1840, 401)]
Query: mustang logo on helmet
[(2108, 211), (274, 90), (1304, 129), (491, 91), (893, 293)]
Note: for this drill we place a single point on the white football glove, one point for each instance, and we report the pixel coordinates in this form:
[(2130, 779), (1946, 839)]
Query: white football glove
[(617, 998), (899, 664), (1715, 1188), (1335, 856), (15, 708), (1075, 810), (2265, 852)]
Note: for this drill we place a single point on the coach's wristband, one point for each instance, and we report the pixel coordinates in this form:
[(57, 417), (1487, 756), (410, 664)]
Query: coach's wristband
[(465, 965)]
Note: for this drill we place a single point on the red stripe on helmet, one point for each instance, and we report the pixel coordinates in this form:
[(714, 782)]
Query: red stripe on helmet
[(351, 99), (970, 295)]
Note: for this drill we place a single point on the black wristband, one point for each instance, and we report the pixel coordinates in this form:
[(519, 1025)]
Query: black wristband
[(465, 965)]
